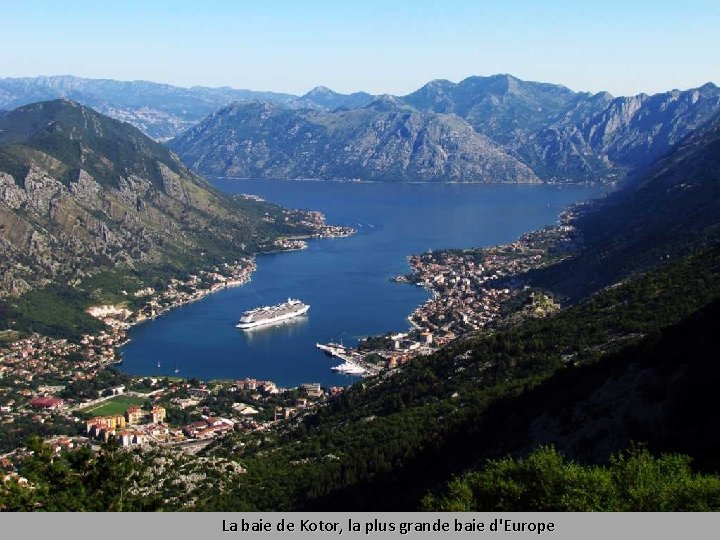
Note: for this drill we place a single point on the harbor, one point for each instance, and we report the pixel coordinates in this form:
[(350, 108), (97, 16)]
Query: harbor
[(353, 361)]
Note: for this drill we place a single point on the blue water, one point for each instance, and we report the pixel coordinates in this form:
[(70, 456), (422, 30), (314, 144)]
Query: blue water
[(345, 281)]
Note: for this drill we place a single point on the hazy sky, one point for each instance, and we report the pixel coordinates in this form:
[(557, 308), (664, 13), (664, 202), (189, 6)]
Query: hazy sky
[(378, 46)]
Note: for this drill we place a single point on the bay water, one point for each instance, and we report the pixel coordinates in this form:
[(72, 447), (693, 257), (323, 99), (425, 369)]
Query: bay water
[(346, 281)]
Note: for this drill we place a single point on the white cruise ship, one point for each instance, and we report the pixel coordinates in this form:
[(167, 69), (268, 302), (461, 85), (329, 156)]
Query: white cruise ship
[(272, 314)]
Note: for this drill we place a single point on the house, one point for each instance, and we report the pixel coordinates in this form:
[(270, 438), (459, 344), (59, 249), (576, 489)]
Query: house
[(114, 391), (192, 430), (63, 443), (247, 384), (199, 392), (268, 388), (284, 412), (157, 430), (244, 409)]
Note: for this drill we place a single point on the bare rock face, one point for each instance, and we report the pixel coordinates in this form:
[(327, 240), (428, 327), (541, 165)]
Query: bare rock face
[(86, 190), (381, 141), (172, 183), (624, 134), (41, 188), (10, 193)]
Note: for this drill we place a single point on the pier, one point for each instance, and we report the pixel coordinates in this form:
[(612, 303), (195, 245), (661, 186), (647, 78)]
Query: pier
[(352, 358)]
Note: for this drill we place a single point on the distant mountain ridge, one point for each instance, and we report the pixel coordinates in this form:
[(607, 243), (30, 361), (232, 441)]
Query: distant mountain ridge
[(161, 111), (323, 98), (500, 106), (622, 134), (559, 134)]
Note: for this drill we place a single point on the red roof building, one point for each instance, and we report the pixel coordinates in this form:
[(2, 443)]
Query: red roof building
[(46, 402)]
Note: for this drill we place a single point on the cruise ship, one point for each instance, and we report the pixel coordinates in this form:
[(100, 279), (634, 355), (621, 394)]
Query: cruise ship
[(264, 315)]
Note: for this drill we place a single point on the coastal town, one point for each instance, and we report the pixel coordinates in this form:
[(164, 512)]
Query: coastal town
[(73, 395), (470, 289)]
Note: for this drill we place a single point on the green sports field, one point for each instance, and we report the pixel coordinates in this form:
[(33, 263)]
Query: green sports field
[(116, 405)]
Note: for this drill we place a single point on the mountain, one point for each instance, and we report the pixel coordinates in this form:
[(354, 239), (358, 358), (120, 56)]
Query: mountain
[(611, 136), (502, 107), (670, 209), (632, 361), (81, 193), (161, 111), (559, 134), (384, 140), (563, 134), (324, 99)]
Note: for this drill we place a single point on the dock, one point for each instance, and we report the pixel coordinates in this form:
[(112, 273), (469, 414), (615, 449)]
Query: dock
[(350, 357)]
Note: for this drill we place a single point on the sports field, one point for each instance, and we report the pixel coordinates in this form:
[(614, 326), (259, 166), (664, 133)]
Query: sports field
[(116, 405)]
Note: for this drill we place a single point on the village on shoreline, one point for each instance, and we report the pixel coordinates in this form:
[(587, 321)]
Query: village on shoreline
[(72, 394), (471, 289)]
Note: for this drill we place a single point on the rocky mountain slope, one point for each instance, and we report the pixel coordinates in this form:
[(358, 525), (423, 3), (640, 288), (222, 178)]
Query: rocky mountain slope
[(612, 136), (563, 134), (559, 134), (80, 192), (384, 140), (501, 106)]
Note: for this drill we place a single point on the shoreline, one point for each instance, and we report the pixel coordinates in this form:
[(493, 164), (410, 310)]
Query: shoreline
[(243, 270), (558, 183), (470, 288)]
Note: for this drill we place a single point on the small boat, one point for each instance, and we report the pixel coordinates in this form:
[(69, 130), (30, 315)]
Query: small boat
[(349, 368)]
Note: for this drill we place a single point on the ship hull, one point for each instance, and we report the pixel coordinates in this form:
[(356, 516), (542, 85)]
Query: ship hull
[(273, 320)]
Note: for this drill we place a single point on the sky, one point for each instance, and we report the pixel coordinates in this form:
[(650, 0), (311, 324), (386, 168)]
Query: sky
[(624, 47)]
